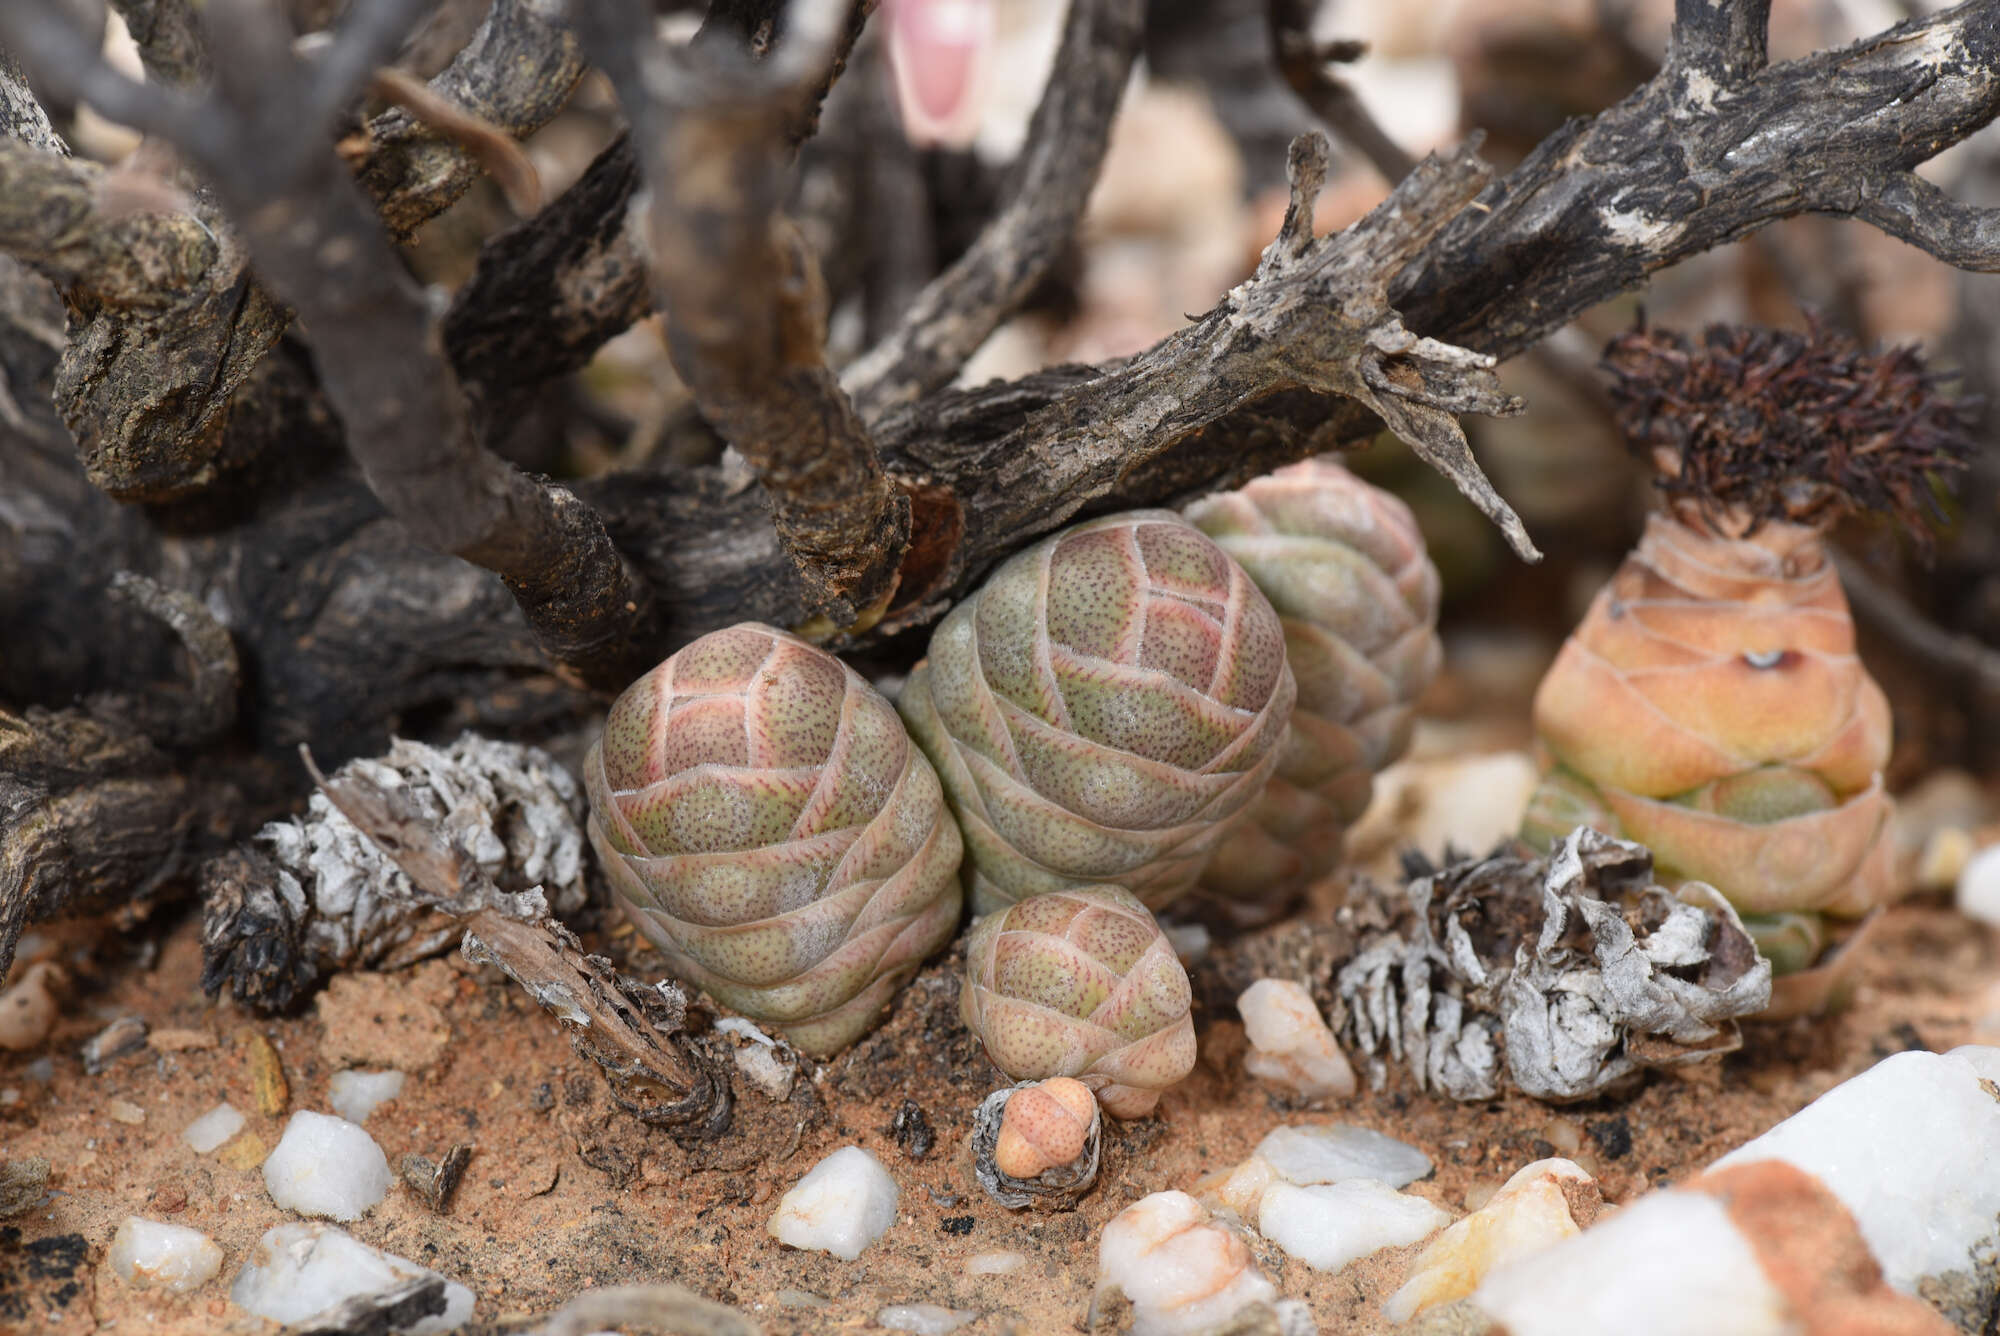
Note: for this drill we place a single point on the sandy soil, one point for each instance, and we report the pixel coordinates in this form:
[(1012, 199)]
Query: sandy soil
[(565, 1192)]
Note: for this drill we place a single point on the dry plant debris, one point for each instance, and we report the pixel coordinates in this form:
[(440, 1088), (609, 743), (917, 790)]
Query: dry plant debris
[(1566, 976)]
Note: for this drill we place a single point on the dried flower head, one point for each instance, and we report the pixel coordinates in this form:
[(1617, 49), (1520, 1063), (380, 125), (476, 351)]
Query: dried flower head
[(1755, 424)]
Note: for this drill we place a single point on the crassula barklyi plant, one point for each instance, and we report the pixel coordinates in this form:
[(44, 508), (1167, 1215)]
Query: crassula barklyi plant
[(1711, 705), (1343, 563), (1100, 706), (1081, 983), (767, 822)]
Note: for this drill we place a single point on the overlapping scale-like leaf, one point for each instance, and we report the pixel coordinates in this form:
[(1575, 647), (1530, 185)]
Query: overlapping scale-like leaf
[(1711, 706), (767, 822), (1100, 707), (1343, 563), (1081, 983)]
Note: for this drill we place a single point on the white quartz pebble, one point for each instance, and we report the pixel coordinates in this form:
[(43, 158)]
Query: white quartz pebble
[(843, 1204), (1328, 1225), (924, 1319), (326, 1166), (300, 1270), (1671, 1264), (1290, 1044), (1183, 1273), (994, 1263), (1978, 893), (1331, 1153), (1912, 1149), (171, 1257), (1530, 1212), (354, 1095), (213, 1128)]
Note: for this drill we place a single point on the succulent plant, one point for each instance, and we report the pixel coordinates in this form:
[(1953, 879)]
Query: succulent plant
[(1036, 1144), (1100, 706), (1081, 983), (1711, 705), (766, 821), (1343, 563)]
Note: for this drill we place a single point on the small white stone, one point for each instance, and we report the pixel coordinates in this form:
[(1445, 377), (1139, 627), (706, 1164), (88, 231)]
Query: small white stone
[(1978, 894), (1182, 1273), (1331, 1153), (1912, 1149), (995, 1263), (213, 1128), (300, 1270), (1674, 1257), (1290, 1044), (1328, 1225), (1529, 1213), (924, 1319), (354, 1095), (765, 1070), (326, 1166), (737, 1025), (1237, 1191), (171, 1257), (843, 1204)]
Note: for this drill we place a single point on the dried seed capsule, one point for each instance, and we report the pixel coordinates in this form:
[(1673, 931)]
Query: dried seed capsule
[(1037, 1144), (766, 821), (1081, 983), (1100, 706), (1344, 565)]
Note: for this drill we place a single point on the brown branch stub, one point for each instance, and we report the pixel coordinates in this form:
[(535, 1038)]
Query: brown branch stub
[(515, 74), (1302, 60), (1049, 185), (742, 296), (1911, 209), (1716, 44)]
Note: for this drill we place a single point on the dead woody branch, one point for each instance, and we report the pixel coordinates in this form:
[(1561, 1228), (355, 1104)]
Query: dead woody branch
[(1047, 189), (346, 626), (742, 295), (1303, 59), (636, 1032), (259, 140)]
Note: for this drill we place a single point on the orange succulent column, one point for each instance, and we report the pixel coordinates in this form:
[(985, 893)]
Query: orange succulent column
[(1711, 705)]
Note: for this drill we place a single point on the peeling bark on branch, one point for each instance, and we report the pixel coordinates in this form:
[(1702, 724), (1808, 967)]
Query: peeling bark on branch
[(743, 299), (147, 384), (636, 1032), (315, 239)]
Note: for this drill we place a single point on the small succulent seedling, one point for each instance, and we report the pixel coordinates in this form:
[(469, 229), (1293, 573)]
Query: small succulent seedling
[(1081, 983), (1038, 1144)]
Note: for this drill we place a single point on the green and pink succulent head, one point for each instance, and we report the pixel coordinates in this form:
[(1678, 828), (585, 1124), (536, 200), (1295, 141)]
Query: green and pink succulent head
[(768, 824), (1082, 984), (1344, 565), (1100, 707)]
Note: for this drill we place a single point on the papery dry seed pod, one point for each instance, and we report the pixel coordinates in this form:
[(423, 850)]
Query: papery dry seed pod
[(766, 821)]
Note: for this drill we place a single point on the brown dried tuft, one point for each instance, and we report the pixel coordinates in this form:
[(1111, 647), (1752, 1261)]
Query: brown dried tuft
[(1757, 424)]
